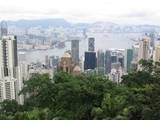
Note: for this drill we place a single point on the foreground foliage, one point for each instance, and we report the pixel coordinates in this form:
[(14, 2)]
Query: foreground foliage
[(84, 97)]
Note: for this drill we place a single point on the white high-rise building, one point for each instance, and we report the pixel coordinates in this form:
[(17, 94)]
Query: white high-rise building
[(156, 56), (8, 56), (135, 52), (144, 49), (116, 73), (23, 66), (10, 82)]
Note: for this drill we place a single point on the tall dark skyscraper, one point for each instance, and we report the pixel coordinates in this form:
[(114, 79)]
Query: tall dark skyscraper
[(107, 61), (4, 28), (128, 59), (100, 62), (91, 44), (90, 60), (75, 51)]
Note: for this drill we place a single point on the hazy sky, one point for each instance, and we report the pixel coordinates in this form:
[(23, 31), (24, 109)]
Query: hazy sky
[(120, 11)]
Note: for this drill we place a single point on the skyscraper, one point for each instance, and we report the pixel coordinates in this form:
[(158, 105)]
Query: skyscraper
[(100, 62), (23, 65), (91, 44), (8, 56), (4, 28), (90, 60), (144, 49), (10, 82), (128, 59), (157, 53), (107, 61), (135, 52), (75, 51), (152, 40), (47, 62)]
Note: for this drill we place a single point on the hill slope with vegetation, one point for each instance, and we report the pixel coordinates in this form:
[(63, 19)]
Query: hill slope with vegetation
[(85, 97)]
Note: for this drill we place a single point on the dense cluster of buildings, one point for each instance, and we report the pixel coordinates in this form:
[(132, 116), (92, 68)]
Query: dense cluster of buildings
[(112, 63)]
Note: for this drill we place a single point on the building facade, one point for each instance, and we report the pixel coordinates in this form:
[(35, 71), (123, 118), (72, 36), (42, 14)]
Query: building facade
[(8, 56), (91, 44), (128, 59), (156, 56), (75, 51), (144, 49), (100, 62), (107, 61), (90, 60), (10, 80), (67, 65)]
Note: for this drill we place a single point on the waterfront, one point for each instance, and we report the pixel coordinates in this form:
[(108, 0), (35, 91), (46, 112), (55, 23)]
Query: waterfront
[(102, 41)]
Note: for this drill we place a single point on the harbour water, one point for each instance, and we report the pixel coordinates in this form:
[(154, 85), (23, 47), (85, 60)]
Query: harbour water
[(102, 41)]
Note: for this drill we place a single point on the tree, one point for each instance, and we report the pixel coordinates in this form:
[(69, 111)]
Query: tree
[(10, 107), (89, 97), (67, 96)]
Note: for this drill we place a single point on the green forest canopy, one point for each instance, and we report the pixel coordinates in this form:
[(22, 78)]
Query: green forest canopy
[(89, 97)]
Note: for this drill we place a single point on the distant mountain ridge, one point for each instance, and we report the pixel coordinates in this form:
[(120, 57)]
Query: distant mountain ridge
[(99, 26), (40, 22)]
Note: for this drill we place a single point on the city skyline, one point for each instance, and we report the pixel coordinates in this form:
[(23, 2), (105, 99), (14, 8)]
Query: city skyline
[(124, 11), (79, 59)]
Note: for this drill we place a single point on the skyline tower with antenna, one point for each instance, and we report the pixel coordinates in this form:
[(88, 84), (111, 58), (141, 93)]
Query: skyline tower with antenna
[(4, 28)]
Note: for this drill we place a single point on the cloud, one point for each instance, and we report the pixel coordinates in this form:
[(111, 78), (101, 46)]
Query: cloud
[(82, 10)]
